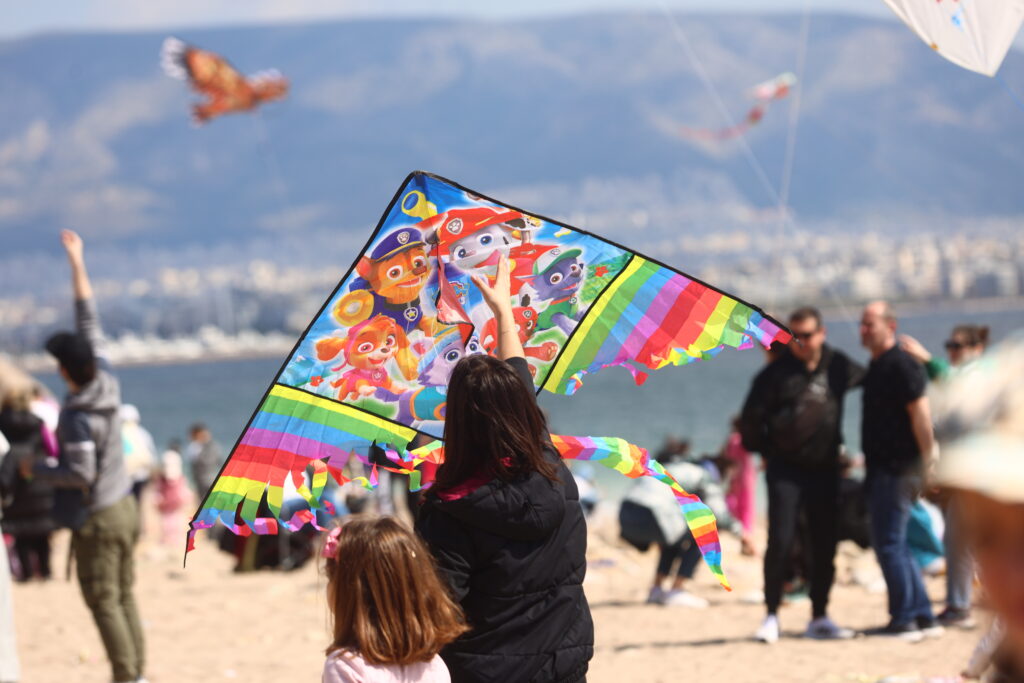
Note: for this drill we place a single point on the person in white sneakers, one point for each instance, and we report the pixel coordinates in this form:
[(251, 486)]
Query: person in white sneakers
[(793, 417)]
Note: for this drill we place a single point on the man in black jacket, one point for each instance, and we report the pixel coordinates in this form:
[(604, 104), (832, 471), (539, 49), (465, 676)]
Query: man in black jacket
[(793, 416)]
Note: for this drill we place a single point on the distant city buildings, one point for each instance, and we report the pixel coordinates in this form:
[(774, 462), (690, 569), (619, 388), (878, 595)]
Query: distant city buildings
[(259, 306)]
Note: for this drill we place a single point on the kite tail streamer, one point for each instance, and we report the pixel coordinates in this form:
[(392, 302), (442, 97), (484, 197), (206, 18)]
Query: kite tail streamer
[(634, 462), (291, 420)]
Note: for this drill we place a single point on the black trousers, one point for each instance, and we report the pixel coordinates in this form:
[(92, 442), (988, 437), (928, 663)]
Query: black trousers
[(683, 556), (33, 551), (792, 490)]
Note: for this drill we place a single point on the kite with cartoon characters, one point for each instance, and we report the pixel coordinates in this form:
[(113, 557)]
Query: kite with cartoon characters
[(374, 364)]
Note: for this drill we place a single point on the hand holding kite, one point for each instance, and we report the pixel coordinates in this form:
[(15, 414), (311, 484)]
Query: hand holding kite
[(498, 296)]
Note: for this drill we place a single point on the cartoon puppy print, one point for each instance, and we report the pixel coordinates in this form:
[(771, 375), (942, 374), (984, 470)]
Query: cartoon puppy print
[(557, 277), (469, 241), (474, 239), (366, 351), (427, 403), (526, 324), (390, 281)]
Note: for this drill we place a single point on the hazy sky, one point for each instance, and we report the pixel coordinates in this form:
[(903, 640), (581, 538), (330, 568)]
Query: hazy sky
[(23, 17)]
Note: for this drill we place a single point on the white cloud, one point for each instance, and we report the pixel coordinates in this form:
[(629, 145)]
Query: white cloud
[(67, 171), (110, 209), (85, 153), (27, 148), (295, 219), (19, 153)]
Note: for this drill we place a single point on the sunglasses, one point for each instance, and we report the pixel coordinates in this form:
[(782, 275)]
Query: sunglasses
[(804, 336), (952, 345)]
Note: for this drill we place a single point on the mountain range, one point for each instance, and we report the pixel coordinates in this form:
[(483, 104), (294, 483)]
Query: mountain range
[(577, 117)]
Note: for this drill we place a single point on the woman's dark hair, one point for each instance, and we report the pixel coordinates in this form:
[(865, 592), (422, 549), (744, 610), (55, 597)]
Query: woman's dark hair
[(492, 425), (972, 335)]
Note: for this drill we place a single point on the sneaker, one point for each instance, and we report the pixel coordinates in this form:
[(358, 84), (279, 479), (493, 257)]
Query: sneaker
[(824, 628), (769, 631), (930, 627), (656, 596), (956, 617), (908, 632), (681, 598)]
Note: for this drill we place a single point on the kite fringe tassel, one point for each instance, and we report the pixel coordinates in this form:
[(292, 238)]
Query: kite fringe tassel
[(609, 336), (279, 444)]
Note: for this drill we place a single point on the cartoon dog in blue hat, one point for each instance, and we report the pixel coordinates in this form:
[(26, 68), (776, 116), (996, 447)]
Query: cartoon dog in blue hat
[(390, 281)]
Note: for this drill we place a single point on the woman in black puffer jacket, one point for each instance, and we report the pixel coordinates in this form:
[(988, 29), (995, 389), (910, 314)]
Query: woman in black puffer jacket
[(504, 522)]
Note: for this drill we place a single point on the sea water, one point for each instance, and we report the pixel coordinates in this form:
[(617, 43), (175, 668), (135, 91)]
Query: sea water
[(695, 402)]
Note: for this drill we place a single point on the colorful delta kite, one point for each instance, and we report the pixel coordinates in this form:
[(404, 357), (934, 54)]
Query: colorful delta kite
[(763, 94), (373, 366), (227, 91), (975, 34)]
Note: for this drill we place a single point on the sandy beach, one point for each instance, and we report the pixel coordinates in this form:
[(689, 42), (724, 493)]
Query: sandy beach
[(204, 623)]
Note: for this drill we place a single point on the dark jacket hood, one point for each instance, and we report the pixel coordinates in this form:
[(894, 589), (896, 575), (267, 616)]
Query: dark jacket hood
[(524, 509), (19, 425)]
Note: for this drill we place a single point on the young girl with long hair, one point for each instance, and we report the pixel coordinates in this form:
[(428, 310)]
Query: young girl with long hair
[(391, 613), (504, 522)]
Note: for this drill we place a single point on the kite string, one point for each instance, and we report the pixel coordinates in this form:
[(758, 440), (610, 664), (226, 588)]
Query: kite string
[(787, 221), (790, 153), (1017, 99), (702, 74)]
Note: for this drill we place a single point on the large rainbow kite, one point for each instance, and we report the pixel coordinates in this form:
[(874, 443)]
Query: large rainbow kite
[(373, 365)]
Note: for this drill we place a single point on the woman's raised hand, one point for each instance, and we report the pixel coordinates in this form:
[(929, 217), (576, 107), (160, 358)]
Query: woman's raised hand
[(499, 295), (499, 299), (72, 244)]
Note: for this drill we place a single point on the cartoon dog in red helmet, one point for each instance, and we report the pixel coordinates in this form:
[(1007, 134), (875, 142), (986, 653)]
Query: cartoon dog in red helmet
[(471, 241)]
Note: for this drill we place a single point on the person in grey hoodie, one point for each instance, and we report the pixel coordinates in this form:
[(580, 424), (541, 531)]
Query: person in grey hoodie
[(91, 485)]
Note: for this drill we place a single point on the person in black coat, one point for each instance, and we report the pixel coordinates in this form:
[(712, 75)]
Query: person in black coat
[(27, 502), (504, 523)]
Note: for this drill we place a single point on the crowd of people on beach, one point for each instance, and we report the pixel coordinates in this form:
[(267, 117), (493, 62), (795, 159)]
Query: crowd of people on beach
[(793, 417), (486, 584)]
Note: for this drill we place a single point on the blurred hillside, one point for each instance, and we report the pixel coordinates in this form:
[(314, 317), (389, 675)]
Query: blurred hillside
[(578, 118)]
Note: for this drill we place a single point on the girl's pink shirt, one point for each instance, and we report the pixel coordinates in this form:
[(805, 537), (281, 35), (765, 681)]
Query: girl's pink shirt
[(345, 666)]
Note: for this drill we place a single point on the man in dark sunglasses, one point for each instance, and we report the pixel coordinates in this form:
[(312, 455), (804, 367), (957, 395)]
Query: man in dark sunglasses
[(793, 417)]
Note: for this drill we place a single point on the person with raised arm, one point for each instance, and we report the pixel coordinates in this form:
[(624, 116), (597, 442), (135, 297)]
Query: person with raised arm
[(92, 487)]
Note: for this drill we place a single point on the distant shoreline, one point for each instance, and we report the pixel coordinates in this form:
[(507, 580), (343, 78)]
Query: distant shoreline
[(40, 363), (917, 308)]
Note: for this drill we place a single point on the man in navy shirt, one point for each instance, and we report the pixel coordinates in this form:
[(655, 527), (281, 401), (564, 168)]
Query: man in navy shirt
[(896, 435)]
